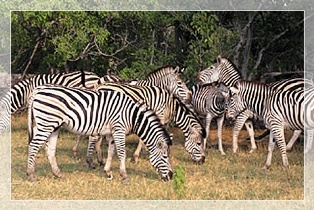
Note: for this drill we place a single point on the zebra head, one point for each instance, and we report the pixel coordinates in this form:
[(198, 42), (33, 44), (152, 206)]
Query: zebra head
[(222, 71), (208, 75), (160, 157), (169, 78), (193, 144), (156, 138), (235, 105)]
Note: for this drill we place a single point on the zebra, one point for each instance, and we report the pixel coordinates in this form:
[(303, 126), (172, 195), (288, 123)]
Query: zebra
[(167, 77), (168, 108), (209, 102), (94, 113), (280, 108), (17, 98), (225, 71)]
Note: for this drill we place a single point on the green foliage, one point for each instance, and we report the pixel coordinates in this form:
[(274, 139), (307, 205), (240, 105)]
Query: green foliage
[(179, 181), (133, 43)]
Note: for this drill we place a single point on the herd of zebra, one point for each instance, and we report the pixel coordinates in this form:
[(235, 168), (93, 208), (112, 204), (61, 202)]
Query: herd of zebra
[(110, 108)]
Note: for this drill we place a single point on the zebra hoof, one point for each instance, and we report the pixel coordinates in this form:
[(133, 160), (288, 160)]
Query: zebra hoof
[(136, 159), (125, 180), (91, 165), (57, 173), (251, 151), (32, 178), (265, 167), (109, 176)]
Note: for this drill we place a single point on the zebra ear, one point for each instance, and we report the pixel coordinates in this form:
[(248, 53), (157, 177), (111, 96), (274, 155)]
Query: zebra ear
[(177, 70), (219, 59), (234, 90)]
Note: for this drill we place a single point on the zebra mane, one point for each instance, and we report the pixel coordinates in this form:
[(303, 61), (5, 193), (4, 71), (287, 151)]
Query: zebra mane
[(144, 108), (165, 70), (190, 109), (232, 64)]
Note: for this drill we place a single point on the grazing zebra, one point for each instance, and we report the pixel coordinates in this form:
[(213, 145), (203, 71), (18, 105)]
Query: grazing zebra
[(168, 108), (209, 102), (18, 97), (166, 77), (87, 112), (280, 108)]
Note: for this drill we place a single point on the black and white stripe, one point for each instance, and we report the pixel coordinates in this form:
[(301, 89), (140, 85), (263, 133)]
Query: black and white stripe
[(17, 98), (87, 112), (168, 78), (169, 109), (225, 72), (279, 108), (209, 103)]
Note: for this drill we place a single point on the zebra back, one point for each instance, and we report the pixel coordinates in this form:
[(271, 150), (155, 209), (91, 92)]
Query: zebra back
[(169, 78), (156, 98), (270, 102), (21, 92)]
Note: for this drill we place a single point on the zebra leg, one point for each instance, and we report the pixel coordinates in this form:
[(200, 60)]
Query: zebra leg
[(111, 149), (220, 123), (294, 137), (271, 146), (137, 152), (119, 140), (250, 130), (75, 147), (278, 133), (207, 141), (51, 146), (99, 151), (235, 133), (309, 140), (33, 147), (90, 150)]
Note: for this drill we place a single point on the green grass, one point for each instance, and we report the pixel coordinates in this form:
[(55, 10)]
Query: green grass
[(221, 177)]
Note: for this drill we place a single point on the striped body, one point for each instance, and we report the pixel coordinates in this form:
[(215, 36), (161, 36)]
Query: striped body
[(309, 114), (210, 103), (87, 112), (17, 98), (168, 108), (280, 108), (225, 72)]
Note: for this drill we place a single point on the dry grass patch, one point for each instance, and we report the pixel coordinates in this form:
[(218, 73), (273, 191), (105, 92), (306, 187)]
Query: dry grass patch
[(221, 177)]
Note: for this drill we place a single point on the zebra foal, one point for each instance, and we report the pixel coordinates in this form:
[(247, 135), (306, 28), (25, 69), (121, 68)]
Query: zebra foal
[(92, 113), (209, 102)]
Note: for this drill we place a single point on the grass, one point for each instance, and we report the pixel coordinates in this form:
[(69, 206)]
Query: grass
[(229, 177)]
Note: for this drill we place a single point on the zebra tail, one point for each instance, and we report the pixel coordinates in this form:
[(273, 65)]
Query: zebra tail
[(30, 121)]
